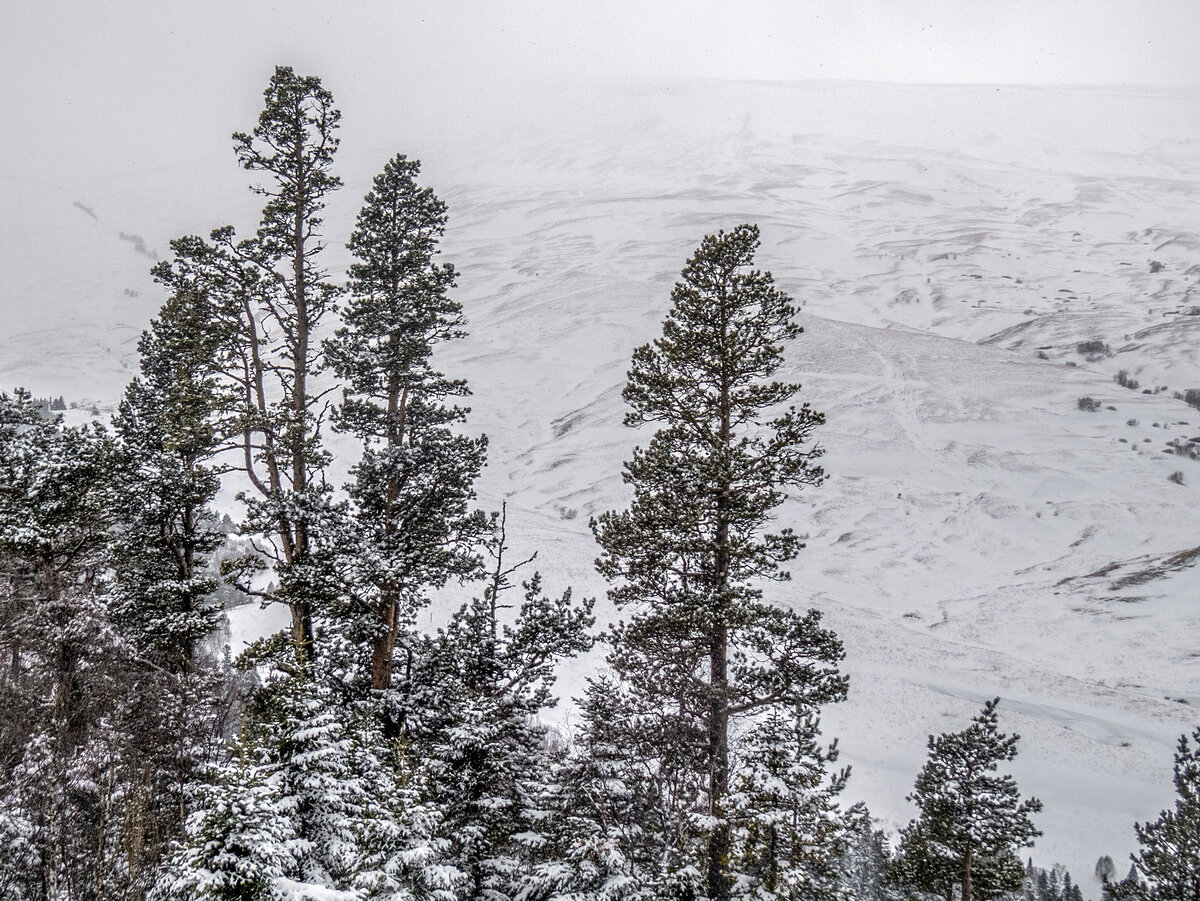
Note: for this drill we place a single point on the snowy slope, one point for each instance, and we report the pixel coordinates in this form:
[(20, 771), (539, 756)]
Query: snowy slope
[(979, 535)]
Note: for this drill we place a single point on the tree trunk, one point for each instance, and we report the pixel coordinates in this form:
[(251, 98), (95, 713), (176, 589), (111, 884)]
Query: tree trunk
[(718, 717), (302, 628), (718, 756), (384, 644)]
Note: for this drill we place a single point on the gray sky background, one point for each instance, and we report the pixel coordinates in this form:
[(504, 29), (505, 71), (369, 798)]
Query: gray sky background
[(1013, 41), (74, 70), (48, 47), (90, 86)]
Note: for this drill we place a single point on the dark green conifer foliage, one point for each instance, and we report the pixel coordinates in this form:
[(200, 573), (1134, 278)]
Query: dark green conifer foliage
[(474, 692), (702, 649), (270, 294), (169, 428), (1167, 867), (972, 820), (415, 481), (171, 424)]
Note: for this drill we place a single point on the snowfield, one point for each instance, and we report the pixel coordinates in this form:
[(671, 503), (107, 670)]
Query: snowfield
[(979, 534)]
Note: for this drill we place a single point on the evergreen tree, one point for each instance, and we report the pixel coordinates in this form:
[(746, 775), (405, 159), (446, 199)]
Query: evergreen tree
[(241, 843), (229, 366), (169, 429), (865, 867), (1167, 867), (285, 818), (270, 295), (789, 832), (474, 692), (972, 820), (170, 425), (607, 826), (702, 649), (414, 483), (1105, 868), (403, 846), (65, 673)]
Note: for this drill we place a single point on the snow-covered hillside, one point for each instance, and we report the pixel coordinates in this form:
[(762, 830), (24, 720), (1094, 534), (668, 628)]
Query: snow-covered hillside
[(979, 534)]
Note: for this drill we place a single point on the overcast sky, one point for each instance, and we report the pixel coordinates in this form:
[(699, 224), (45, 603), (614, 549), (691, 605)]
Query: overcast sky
[(85, 80), (1011, 41)]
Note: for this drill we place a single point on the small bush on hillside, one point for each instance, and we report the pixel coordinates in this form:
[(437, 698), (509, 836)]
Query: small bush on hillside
[(1183, 448), (1089, 404), (1176, 477), (1094, 349), (1190, 396), (1123, 379)]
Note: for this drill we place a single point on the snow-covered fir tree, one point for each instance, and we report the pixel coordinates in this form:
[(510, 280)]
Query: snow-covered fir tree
[(1167, 865), (607, 821), (789, 830), (972, 818), (169, 429), (474, 692)]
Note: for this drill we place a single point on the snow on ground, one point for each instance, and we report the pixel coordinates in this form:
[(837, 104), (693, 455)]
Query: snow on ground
[(965, 487), (979, 534)]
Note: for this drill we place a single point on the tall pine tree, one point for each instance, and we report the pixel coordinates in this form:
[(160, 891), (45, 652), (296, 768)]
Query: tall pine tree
[(702, 650), (271, 295), (170, 427), (414, 528)]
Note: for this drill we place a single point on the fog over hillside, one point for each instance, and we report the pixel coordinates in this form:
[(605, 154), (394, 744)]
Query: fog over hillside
[(980, 534)]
